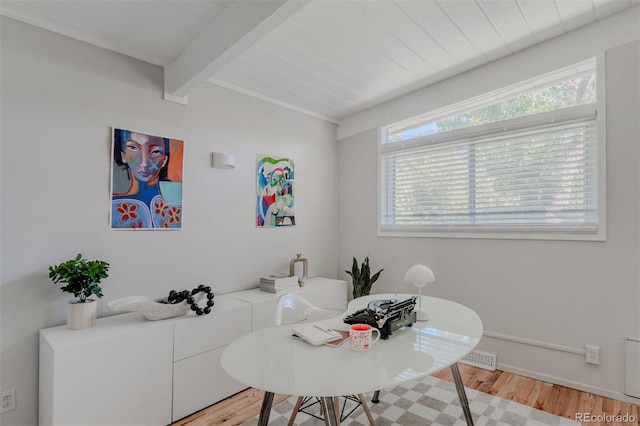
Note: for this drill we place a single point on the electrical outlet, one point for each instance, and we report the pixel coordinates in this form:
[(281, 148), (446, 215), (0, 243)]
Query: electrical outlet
[(7, 400), (592, 355)]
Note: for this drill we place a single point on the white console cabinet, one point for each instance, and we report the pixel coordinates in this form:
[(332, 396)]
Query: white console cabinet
[(322, 292), (130, 371)]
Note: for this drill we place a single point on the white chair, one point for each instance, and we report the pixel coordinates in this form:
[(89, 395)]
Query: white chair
[(293, 309)]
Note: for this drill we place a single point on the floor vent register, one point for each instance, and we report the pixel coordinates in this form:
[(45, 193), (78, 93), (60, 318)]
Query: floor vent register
[(479, 359)]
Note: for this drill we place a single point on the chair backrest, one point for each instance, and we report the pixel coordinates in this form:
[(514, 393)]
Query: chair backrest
[(293, 309)]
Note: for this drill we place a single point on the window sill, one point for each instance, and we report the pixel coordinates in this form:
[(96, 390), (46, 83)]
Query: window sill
[(488, 233)]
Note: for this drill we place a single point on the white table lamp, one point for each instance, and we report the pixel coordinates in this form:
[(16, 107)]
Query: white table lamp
[(419, 275)]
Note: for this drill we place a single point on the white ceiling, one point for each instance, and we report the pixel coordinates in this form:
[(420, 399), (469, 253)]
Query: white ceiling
[(326, 58)]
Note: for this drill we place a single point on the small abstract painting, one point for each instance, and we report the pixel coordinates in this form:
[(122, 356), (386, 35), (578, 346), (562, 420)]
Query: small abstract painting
[(146, 181), (275, 191)]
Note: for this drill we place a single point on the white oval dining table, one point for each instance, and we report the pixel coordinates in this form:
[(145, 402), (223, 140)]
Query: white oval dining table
[(271, 360)]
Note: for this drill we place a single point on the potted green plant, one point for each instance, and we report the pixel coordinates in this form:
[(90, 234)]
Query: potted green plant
[(82, 278), (361, 277)]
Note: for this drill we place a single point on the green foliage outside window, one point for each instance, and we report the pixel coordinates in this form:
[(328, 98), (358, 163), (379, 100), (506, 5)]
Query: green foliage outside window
[(571, 92)]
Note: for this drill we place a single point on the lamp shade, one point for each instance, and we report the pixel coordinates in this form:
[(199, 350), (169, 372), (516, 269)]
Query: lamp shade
[(419, 275)]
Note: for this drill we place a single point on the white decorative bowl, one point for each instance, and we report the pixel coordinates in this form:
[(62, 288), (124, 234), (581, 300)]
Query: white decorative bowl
[(150, 307)]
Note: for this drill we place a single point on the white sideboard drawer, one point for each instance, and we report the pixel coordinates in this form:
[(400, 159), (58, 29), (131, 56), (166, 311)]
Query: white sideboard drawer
[(229, 320), (199, 381)]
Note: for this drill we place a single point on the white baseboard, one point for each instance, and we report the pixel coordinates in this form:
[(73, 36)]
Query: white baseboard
[(570, 384)]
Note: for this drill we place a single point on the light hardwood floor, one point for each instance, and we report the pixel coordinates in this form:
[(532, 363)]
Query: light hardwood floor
[(555, 399)]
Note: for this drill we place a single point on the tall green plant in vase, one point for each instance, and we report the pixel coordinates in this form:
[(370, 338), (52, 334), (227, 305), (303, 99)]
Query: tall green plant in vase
[(362, 278)]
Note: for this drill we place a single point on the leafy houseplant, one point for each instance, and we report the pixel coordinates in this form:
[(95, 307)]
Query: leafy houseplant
[(362, 279), (83, 280), (81, 276)]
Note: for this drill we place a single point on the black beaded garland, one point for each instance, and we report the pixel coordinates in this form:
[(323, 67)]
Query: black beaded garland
[(178, 297)]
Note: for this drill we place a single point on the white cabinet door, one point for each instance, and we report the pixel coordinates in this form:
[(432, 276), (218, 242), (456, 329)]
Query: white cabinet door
[(199, 381), (327, 293), (116, 373)]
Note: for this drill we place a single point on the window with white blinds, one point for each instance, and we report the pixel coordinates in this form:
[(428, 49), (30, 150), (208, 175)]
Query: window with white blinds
[(525, 161)]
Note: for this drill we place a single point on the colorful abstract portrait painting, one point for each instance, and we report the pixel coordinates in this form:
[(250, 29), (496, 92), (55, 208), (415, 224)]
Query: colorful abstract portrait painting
[(146, 181), (275, 192)]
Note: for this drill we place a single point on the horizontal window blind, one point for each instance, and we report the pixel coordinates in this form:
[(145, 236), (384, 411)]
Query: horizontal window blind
[(542, 178), (563, 88)]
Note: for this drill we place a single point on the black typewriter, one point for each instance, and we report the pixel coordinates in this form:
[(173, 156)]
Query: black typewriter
[(386, 315)]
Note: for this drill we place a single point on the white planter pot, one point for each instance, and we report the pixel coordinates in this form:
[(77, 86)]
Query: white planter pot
[(82, 315)]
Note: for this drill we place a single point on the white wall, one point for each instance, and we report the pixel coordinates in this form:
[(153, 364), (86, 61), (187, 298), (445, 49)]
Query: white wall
[(60, 98), (562, 294)]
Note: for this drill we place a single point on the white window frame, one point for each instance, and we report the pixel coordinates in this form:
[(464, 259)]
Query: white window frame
[(527, 233)]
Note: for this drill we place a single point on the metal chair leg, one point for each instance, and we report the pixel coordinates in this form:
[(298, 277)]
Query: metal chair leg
[(462, 395), (376, 396), (265, 410)]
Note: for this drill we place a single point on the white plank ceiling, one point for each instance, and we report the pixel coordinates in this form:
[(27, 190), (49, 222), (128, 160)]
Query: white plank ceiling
[(326, 58)]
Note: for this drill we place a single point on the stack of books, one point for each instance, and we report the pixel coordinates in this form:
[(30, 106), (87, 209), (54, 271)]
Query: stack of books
[(278, 283)]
